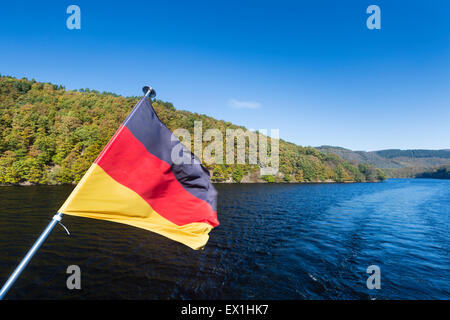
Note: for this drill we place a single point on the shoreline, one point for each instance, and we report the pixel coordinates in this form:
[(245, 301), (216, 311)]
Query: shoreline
[(27, 184)]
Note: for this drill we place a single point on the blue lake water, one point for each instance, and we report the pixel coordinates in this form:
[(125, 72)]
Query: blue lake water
[(285, 241)]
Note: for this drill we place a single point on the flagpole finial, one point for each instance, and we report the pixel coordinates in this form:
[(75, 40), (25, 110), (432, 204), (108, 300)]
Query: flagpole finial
[(149, 91)]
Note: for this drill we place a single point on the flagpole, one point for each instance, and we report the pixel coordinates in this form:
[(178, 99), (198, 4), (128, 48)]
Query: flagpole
[(13, 277), (149, 92)]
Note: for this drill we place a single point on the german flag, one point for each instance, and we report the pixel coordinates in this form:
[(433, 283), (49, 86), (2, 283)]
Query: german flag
[(134, 181)]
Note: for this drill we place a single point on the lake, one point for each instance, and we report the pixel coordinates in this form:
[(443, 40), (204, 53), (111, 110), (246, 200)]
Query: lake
[(275, 241)]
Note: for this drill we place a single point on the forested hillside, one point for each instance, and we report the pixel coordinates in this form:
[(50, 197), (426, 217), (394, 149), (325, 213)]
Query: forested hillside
[(414, 153), (49, 135), (438, 173), (394, 162)]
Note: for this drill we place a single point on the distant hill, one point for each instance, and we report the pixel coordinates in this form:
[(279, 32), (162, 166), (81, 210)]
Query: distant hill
[(439, 173), (50, 135), (395, 162), (414, 154)]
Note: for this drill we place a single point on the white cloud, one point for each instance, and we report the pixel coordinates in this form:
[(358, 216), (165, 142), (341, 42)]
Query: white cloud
[(244, 104)]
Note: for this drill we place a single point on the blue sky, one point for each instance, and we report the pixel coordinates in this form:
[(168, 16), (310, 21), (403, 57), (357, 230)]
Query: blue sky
[(309, 68)]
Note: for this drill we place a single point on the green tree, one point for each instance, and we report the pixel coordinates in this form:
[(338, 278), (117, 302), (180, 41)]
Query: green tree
[(238, 173), (268, 178)]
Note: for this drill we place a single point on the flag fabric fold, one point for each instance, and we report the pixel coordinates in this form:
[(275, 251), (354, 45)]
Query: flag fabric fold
[(135, 181)]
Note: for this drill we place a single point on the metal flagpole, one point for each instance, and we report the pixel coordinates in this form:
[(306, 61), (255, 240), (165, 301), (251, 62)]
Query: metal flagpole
[(149, 92), (13, 277)]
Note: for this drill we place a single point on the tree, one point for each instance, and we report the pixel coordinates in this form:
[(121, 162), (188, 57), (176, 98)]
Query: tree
[(238, 173), (269, 178), (299, 176)]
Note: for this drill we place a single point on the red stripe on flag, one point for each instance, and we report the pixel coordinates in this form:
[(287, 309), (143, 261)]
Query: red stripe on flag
[(128, 162)]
